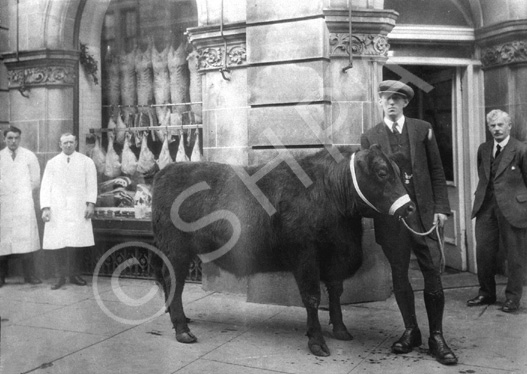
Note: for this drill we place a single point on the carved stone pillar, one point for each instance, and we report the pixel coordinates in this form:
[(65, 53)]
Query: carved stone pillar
[(503, 48), (223, 62), (41, 97), (354, 100)]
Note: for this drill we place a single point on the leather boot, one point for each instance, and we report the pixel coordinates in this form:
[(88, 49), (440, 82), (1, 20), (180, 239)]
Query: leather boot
[(435, 305), (412, 335)]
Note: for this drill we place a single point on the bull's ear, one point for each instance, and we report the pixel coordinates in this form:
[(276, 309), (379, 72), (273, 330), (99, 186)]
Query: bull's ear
[(399, 158)]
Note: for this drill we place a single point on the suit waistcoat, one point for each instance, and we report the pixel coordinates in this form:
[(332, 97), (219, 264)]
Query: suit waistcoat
[(494, 163), (400, 143)]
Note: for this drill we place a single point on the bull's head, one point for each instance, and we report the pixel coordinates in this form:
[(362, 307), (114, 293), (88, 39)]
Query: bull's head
[(377, 182)]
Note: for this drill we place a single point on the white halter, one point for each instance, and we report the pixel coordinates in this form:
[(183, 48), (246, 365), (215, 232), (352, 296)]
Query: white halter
[(396, 205)]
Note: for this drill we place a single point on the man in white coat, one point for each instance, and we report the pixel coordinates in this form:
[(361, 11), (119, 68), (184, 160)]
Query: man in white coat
[(67, 199), (19, 177)]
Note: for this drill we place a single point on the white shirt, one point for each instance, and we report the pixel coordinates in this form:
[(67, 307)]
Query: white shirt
[(399, 122), (502, 144)]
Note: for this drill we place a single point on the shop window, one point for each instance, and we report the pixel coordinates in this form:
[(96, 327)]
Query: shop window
[(151, 111)]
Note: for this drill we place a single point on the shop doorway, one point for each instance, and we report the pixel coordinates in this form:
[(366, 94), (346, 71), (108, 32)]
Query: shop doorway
[(438, 100)]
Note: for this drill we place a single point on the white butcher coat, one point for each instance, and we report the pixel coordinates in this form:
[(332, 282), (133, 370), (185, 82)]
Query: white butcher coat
[(66, 188), (18, 223)]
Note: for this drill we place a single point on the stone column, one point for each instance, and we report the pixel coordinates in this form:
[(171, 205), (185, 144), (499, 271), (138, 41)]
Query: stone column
[(222, 61), (355, 109)]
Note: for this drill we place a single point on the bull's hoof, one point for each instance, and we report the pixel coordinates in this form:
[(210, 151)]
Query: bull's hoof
[(342, 335), (186, 337), (318, 349)]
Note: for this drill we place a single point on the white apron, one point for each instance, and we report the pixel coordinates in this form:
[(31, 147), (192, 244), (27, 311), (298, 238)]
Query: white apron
[(18, 224), (66, 187)]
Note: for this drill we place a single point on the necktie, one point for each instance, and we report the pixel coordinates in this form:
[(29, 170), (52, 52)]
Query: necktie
[(68, 160), (13, 155), (395, 130), (498, 151)]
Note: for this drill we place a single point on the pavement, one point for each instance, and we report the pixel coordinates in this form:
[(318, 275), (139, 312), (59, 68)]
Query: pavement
[(118, 326)]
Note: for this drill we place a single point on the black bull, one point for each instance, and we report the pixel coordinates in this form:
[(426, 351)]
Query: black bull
[(301, 216)]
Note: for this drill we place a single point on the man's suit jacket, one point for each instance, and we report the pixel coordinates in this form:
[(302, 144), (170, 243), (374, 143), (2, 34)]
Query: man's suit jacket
[(428, 176), (510, 181)]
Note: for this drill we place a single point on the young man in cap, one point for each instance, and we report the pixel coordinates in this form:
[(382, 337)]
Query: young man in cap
[(422, 173)]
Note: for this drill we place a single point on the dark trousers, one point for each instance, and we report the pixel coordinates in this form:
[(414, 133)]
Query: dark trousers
[(28, 264), (491, 228), (68, 261), (397, 244)]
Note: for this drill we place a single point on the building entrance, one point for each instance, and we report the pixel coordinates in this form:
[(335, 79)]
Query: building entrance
[(438, 100)]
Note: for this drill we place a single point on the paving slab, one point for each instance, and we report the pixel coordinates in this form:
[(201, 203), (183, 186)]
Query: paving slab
[(67, 331)]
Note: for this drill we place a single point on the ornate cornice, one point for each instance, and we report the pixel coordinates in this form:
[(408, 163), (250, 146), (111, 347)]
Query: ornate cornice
[(212, 57), (42, 76), (210, 43), (504, 54), (361, 44), (41, 68)]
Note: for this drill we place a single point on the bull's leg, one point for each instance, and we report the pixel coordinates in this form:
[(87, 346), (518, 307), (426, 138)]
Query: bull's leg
[(335, 289), (175, 308), (308, 282)]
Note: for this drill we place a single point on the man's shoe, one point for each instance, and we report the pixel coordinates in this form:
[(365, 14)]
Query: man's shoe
[(438, 348), (410, 338), (32, 280), (59, 284), (510, 306), (481, 300), (78, 281)]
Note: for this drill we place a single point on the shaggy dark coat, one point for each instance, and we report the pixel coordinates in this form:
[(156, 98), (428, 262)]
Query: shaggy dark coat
[(315, 231)]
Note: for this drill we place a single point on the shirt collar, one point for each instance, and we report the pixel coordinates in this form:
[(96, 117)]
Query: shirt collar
[(503, 143), (400, 123)]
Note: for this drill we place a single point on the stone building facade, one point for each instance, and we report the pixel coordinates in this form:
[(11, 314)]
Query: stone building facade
[(280, 66)]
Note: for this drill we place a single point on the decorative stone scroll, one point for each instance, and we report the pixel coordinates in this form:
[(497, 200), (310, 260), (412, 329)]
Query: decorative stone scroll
[(503, 54), (42, 76), (212, 57), (361, 44)]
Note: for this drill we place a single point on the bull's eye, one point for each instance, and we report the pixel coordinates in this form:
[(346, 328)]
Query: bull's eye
[(382, 173)]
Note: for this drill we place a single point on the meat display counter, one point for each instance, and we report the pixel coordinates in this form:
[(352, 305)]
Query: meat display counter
[(122, 217)]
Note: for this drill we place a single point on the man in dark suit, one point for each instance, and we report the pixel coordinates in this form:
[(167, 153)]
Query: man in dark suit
[(422, 173), (500, 209)]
